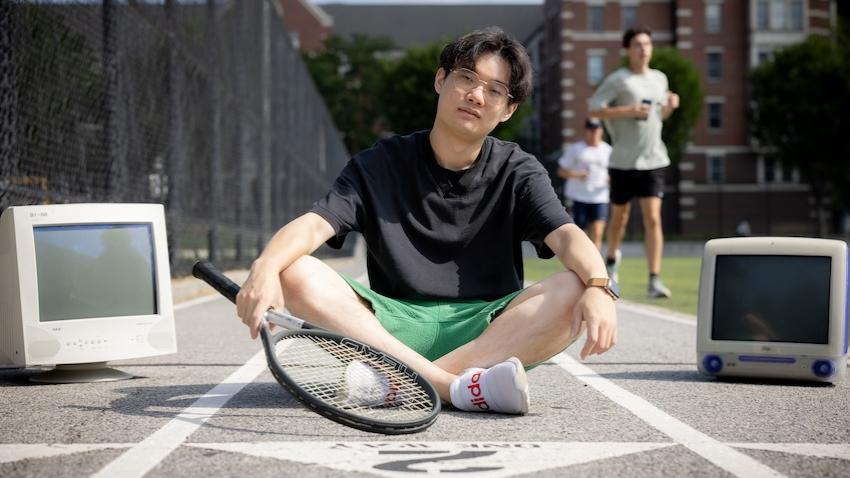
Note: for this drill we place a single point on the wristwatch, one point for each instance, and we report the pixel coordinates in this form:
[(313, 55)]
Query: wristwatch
[(607, 284)]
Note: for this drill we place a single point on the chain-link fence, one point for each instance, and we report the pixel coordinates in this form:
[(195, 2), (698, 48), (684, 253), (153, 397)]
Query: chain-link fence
[(204, 106)]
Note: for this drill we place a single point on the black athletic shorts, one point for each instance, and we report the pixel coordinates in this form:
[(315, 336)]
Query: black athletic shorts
[(629, 183)]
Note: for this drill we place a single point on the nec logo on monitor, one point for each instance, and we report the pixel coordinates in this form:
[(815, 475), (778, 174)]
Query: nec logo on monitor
[(773, 307), (83, 284)]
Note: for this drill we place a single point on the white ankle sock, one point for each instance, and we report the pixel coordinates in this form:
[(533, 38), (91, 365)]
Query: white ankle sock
[(502, 388)]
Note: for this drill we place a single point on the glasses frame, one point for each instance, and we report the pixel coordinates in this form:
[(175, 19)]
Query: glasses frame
[(483, 83)]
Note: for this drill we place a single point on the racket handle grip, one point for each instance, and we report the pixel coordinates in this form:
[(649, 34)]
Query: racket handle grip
[(208, 273)]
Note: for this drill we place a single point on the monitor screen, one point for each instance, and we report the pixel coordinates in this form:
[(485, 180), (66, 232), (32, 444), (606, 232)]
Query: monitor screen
[(771, 298), (97, 270)]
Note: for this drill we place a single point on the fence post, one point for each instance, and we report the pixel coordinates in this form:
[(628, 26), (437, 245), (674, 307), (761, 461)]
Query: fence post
[(215, 134), (265, 170), (174, 157), (242, 129), (109, 39), (8, 105)]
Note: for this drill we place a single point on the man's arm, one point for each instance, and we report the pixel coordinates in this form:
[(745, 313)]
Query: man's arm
[(637, 110), (672, 104), (595, 308), (262, 289)]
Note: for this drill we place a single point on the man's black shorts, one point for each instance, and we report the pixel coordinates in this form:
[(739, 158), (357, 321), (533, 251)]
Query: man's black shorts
[(629, 183)]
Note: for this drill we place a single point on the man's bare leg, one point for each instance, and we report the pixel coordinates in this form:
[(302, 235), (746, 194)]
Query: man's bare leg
[(596, 230), (617, 227), (650, 208), (315, 292), (533, 327)]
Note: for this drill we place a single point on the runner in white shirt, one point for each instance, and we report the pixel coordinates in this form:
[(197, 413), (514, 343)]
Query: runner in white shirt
[(585, 167)]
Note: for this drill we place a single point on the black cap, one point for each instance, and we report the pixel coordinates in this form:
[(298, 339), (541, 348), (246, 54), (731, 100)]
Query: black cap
[(592, 123)]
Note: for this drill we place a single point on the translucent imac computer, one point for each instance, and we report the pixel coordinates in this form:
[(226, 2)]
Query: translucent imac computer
[(81, 285), (773, 307)]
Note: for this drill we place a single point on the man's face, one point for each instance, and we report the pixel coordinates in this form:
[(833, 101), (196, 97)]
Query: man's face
[(470, 108), (640, 49)]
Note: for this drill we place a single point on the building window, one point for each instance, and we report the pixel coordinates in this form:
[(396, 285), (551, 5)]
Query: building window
[(796, 16), (762, 15), (775, 172), (763, 55), (629, 16), (714, 66), (595, 18), (715, 115), (780, 15), (712, 17), (777, 14), (716, 170), (595, 68)]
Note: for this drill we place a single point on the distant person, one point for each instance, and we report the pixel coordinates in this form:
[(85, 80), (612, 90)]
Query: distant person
[(585, 167), (633, 102)]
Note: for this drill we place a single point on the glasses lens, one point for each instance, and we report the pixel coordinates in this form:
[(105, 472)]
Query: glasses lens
[(468, 79)]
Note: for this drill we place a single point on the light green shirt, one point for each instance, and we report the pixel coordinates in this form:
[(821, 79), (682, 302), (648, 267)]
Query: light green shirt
[(637, 143)]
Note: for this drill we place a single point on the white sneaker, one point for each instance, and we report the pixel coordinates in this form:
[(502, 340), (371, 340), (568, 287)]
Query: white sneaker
[(613, 269), (657, 289), (502, 388)]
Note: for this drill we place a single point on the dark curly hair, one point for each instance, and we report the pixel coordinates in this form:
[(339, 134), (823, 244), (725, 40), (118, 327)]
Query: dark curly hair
[(633, 32), (463, 53)]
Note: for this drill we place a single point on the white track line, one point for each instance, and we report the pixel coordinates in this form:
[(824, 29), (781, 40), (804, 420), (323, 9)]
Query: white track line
[(719, 454), (676, 318), (147, 454)]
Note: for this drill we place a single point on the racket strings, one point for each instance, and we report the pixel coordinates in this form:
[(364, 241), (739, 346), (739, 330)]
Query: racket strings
[(352, 380)]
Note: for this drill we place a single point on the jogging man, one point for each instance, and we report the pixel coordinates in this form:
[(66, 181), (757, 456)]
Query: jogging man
[(443, 212), (633, 102)]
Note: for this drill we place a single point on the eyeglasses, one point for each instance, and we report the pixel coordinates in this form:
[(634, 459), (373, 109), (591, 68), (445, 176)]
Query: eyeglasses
[(494, 91)]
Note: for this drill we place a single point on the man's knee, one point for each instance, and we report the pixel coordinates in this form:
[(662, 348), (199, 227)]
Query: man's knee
[(302, 277), (561, 291)]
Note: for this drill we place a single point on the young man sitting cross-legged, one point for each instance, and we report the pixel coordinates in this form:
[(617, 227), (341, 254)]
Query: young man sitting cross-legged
[(443, 212)]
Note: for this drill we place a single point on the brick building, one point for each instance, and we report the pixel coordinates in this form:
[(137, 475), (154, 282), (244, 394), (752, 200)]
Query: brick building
[(723, 178), (308, 24)]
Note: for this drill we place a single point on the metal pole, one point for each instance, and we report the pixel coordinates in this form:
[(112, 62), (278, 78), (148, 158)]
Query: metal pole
[(174, 154), (114, 184), (215, 135), (8, 105), (265, 170)]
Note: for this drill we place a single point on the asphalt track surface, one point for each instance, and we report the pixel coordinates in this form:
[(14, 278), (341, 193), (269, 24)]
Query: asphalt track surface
[(213, 409)]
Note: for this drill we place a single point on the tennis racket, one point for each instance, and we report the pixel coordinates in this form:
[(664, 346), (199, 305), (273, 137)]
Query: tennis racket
[(338, 377)]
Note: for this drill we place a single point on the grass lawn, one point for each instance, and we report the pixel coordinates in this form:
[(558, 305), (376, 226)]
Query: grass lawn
[(680, 274)]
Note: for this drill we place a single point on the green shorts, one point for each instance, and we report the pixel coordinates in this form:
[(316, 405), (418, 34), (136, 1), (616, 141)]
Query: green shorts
[(432, 327)]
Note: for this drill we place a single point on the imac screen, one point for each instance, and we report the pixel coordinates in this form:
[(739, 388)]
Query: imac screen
[(771, 298), (98, 270)]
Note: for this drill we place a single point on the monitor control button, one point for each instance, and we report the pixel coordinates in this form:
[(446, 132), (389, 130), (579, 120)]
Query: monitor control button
[(712, 363), (822, 368)]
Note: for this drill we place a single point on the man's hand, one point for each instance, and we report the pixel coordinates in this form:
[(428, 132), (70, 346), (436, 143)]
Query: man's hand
[(260, 292), (595, 308), (672, 100), (640, 110)]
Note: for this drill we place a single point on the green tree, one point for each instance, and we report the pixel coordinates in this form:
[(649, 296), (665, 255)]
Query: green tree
[(408, 97), (799, 113), (410, 102), (349, 75)]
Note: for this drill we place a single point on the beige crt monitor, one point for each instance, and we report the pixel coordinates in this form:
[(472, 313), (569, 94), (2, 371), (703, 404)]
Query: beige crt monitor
[(81, 285), (773, 307)]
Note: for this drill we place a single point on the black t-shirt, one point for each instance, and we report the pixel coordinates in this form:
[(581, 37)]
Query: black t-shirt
[(435, 233)]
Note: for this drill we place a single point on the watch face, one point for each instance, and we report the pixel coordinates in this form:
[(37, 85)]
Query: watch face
[(614, 287)]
